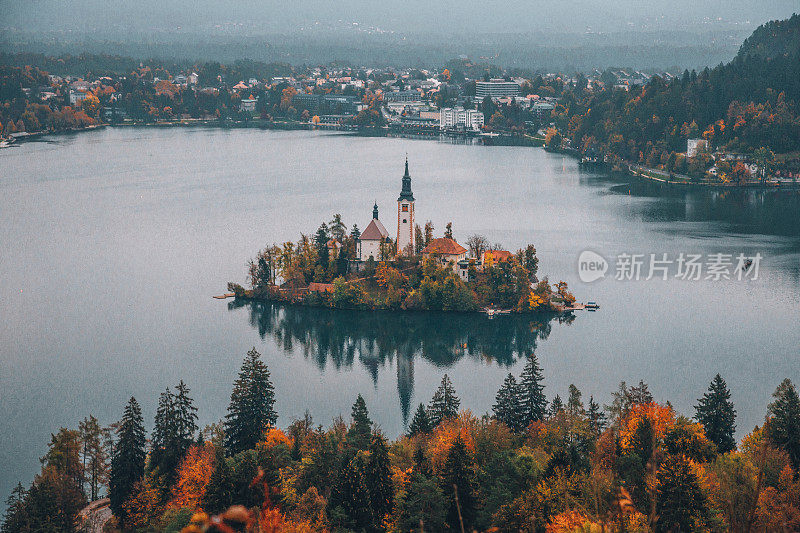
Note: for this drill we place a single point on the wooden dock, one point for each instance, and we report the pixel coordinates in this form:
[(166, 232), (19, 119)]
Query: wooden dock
[(223, 296)]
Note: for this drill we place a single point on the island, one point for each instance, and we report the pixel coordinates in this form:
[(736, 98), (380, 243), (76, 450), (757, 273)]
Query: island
[(410, 270)]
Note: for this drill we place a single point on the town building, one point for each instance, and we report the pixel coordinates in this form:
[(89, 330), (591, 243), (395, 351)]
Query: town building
[(695, 146), (460, 118), (247, 105), (369, 244), (447, 252), (76, 97), (402, 96), (496, 88)]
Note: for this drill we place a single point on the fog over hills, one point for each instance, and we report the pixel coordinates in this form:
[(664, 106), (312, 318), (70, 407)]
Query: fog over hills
[(538, 34)]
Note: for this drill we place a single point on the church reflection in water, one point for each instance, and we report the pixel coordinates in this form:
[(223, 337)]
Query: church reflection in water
[(340, 337)]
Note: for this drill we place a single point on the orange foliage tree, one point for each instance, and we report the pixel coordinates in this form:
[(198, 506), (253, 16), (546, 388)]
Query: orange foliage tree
[(192, 477)]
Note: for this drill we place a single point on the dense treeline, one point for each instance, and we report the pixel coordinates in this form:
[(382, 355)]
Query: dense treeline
[(413, 282), (749, 103), (532, 465)]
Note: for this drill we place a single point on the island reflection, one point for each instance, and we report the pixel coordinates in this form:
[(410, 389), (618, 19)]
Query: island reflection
[(339, 337)]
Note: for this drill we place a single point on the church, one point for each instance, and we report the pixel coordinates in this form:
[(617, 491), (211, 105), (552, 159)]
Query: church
[(369, 244)]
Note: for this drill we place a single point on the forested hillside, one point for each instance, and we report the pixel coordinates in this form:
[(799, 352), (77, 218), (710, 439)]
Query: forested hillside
[(749, 103)]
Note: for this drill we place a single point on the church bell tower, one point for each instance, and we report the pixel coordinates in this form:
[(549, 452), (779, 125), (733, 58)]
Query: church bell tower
[(405, 217)]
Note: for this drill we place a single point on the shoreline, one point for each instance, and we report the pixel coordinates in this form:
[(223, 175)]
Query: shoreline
[(629, 170), (299, 302)]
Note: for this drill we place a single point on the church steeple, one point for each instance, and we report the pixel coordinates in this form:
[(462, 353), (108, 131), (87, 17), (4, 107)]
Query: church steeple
[(375, 210), (405, 192)]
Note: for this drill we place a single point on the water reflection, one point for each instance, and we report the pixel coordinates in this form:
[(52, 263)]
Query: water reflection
[(748, 211), (341, 337)]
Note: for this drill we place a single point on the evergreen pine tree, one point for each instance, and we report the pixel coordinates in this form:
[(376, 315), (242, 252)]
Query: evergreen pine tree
[(16, 517), (458, 477), (161, 453), (681, 504), (556, 406), (574, 403), (640, 394), (534, 402), (250, 411), (186, 418), (784, 426), (348, 506), (508, 407), (421, 463), (420, 423), (422, 502), (127, 462), (596, 417), (379, 479), (360, 431), (219, 491), (444, 404), (716, 413)]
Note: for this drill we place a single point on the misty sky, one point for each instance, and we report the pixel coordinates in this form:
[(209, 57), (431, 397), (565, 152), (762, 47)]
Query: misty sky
[(409, 16)]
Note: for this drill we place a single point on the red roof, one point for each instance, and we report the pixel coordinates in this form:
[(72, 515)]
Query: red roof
[(320, 287), (375, 231), (498, 256), (444, 246)]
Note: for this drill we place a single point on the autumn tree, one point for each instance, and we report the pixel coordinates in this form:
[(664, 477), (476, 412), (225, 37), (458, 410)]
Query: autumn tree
[(784, 427), (251, 407), (428, 232), (448, 231), (95, 457), (128, 458), (419, 240), (477, 244), (716, 413), (534, 402), (193, 476), (444, 403)]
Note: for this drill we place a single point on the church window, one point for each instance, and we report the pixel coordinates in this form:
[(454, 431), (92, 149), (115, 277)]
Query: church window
[(405, 208), (404, 221)]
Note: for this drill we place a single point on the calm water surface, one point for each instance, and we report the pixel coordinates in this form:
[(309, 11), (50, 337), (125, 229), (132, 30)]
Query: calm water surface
[(113, 243)]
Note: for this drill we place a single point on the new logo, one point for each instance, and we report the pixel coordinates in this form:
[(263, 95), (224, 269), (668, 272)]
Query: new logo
[(591, 266)]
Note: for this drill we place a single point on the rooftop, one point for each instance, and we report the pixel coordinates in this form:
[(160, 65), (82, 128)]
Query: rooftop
[(444, 246)]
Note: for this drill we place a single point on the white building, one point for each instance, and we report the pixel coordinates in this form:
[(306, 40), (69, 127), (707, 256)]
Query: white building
[(496, 88), (369, 244), (695, 146), (76, 97), (460, 118), (247, 105)]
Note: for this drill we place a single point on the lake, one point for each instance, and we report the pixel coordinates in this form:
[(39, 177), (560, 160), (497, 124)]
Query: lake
[(114, 241)]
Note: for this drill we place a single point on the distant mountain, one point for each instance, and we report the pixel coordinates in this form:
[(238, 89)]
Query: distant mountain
[(774, 39)]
